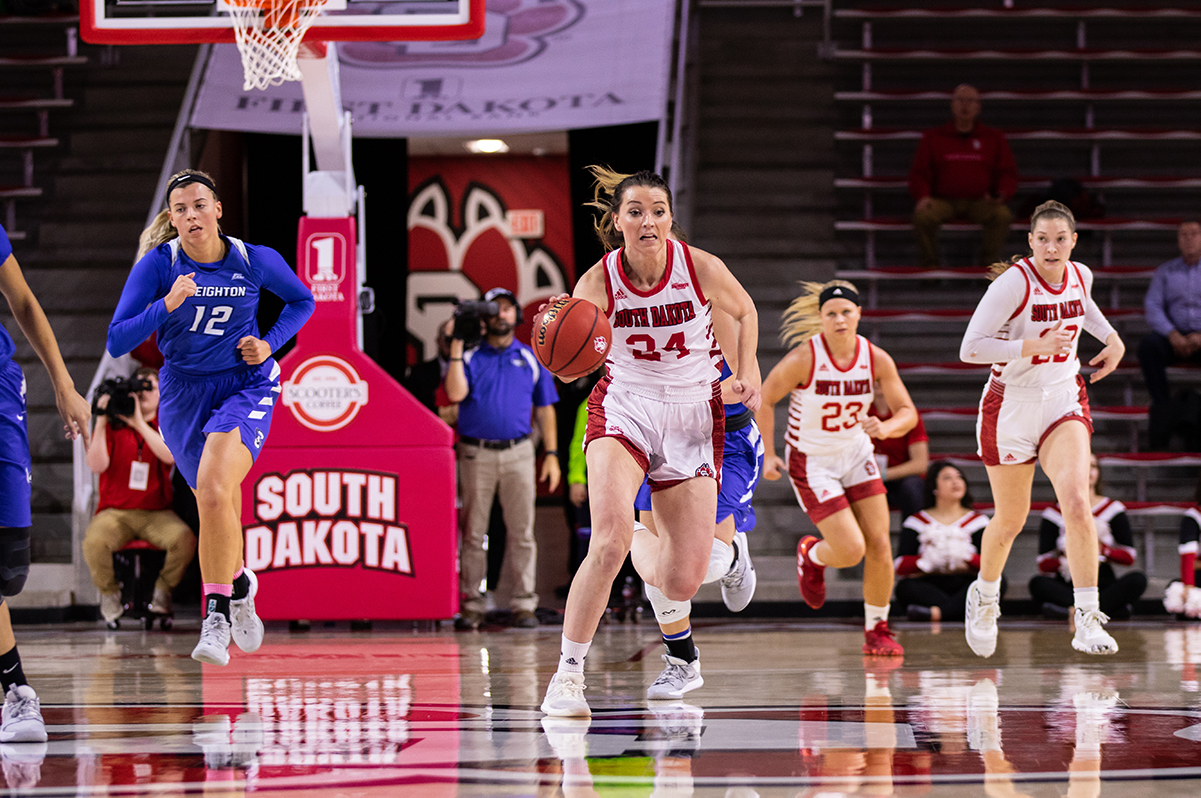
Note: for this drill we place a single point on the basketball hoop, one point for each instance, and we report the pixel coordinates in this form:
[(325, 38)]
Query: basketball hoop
[(268, 34)]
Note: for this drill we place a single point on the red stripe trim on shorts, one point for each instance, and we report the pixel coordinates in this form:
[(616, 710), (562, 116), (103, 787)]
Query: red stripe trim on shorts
[(817, 510), (718, 409), (873, 487), (990, 411), (597, 425)]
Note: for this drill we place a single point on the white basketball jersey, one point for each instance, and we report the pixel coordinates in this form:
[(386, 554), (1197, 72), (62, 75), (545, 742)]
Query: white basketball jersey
[(662, 337), (824, 413), (1043, 309)]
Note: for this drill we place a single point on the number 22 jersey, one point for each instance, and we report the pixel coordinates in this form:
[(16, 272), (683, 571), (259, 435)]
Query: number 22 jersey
[(824, 413)]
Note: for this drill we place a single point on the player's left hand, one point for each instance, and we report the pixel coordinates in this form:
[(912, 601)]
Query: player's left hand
[(1108, 358), (871, 425), (76, 414), (550, 472), (254, 350), (748, 387)]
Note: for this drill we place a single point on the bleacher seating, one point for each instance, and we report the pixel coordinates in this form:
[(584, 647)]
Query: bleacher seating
[(27, 54), (1098, 95)]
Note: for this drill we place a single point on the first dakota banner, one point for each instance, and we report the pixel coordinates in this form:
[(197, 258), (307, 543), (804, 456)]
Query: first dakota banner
[(541, 65)]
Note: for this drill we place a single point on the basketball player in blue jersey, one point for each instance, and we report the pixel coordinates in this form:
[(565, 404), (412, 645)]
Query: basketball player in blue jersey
[(199, 290), (21, 717), (730, 559)]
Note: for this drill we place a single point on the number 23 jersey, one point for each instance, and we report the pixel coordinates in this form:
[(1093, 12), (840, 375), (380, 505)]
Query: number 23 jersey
[(824, 413), (664, 336)]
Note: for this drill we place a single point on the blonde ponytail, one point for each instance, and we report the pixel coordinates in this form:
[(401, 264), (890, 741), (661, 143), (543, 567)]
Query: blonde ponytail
[(803, 319), (160, 231)]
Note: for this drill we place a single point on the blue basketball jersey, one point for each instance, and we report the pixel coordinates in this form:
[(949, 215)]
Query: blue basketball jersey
[(7, 347), (201, 336)]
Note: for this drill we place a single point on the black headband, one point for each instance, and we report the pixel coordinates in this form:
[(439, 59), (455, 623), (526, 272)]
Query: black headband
[(837, 292), (184, 179)]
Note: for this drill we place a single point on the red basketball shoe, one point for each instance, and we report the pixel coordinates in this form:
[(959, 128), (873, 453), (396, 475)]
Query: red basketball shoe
[(879, 641), (810, 576)]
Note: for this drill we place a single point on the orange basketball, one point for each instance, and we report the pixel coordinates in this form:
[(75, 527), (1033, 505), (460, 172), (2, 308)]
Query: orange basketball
[(571, 338)]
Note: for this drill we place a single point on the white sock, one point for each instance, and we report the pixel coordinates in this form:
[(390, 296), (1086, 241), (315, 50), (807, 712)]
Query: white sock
[(1087, 598), (989, 589), (872, 615), (721, 560), (813, 555), (667, 611), (571, 656)]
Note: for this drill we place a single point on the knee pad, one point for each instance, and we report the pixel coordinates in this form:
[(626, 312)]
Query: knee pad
[(14, 560), (721, 559), (666, 610)]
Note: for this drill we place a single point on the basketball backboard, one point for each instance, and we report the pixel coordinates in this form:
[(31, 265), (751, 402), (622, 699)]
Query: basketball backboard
[(195, 21)]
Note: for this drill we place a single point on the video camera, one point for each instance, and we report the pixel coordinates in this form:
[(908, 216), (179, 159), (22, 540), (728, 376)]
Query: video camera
[(120, 392), (468, 316)]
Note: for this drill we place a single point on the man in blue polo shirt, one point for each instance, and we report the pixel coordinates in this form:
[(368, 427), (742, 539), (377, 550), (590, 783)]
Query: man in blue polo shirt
[(499, 386)]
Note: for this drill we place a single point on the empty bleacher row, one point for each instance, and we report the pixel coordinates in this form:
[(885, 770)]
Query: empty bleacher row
[(43, 44)]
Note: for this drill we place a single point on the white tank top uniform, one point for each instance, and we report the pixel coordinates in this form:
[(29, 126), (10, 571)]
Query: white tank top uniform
[(830, 458), (661, 394), (1028, 397)]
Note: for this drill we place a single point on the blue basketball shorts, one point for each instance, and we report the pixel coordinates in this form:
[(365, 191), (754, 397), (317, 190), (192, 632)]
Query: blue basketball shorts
[(192, 406), (741, 466), (15, 466)]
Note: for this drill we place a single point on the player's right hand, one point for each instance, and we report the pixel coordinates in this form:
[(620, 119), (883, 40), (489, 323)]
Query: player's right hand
[(1055, 341), (183, 288), (548, 303), (773, 467)]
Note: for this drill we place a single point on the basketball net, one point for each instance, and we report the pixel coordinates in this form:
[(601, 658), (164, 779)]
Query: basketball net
[(269, 33)]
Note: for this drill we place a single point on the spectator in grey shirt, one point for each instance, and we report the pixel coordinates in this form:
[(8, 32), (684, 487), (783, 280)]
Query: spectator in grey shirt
[(1173, 308)]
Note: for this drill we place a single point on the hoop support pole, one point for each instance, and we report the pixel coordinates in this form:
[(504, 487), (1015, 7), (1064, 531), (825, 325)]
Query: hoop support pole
[(329, 191)]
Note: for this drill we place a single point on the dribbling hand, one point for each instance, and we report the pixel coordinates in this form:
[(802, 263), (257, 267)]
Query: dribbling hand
[(773, 467), (183, 288), (253, 350)]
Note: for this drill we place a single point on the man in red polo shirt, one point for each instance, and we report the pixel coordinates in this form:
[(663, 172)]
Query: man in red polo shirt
[(134, 503), (962, 170)]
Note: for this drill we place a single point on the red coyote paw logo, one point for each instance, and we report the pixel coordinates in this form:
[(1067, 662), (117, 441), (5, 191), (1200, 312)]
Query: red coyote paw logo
[(449, 263), (704, 471), (599, 343)]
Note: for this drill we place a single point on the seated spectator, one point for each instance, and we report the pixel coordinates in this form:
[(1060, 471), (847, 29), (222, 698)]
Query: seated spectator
[(426, 379), (962, 169), (902, 461), (1183, 598), (1052, 589), (134, 502), (939, 552), (1173, 308)]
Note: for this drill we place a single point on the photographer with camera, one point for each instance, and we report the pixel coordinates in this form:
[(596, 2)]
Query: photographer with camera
[(128, 453), (499, 386)]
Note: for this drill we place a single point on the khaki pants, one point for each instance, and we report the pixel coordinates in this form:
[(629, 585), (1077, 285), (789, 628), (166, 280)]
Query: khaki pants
[(482, 474), (112, 529), (994, 219)]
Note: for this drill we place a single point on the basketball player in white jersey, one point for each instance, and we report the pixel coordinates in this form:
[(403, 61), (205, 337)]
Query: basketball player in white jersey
[(831, 374), (1035, 408), (656, 414)]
